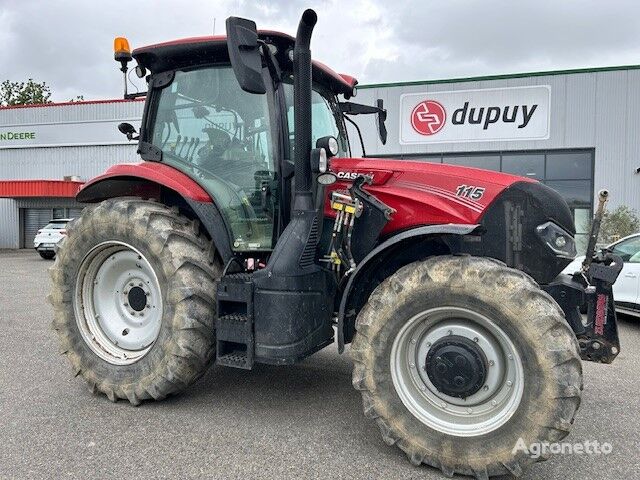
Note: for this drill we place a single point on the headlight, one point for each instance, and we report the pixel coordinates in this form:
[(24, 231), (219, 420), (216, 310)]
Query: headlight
[(557, 239)]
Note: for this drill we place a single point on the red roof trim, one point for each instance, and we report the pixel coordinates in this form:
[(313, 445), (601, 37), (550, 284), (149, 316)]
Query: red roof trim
[(346, 80), (180, 41), (39, 188), (64, 104)]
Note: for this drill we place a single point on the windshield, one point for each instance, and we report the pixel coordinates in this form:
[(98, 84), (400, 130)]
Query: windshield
[(324, 120), (207, 126)]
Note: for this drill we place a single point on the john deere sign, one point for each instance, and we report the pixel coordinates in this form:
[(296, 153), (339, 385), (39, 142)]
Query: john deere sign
[(95, 132), (17, 135)]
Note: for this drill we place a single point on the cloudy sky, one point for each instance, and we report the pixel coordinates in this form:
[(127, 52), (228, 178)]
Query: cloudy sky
[(68, 43)]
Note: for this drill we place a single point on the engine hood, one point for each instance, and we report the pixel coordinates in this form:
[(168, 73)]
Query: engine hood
[(426, 193)]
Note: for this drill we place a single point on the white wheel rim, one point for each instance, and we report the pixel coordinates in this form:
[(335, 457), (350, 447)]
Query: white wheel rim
[(484, 411), (118, 303)]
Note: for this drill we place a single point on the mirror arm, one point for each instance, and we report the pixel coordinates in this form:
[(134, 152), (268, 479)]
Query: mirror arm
[(350, 108), (364, 153)]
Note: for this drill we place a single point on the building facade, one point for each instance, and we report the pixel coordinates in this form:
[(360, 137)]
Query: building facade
[(576, 131), (46, 152)]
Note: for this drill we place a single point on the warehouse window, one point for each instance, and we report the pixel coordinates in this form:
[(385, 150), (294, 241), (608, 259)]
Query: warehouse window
[(525, 165), (569, 166), (486, 162)]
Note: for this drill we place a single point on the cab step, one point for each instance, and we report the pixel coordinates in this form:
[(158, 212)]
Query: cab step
[(234, 325)]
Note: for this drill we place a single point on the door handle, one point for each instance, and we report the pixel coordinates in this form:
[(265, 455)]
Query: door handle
[(630, 275)]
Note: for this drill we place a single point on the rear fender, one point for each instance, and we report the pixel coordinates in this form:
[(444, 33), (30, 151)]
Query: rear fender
[(388, 257), (165, 183)]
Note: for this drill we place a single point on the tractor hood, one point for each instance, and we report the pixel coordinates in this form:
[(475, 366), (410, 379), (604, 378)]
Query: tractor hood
[(426, 193), (512, 210)]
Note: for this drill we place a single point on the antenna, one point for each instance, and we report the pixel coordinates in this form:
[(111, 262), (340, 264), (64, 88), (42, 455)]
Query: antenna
[(214, 26)]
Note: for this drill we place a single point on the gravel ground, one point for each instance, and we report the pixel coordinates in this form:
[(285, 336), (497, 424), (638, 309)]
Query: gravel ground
[(303, 421)]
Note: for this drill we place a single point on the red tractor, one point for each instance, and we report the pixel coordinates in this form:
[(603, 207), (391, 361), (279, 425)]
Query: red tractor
[(248, 235)]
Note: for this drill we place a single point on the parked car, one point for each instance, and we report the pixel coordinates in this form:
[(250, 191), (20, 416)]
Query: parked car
[(47, 238), (626, 290)]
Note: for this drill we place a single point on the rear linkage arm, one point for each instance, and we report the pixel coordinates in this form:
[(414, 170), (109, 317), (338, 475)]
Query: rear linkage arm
[(592, 285)]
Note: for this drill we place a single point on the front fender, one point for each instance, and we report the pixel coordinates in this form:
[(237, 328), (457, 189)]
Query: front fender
[(134, 178), (456, 230), (148, 180)]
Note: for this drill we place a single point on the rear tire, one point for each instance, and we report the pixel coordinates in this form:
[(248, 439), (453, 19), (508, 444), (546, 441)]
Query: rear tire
[(47, 255), (168, 308), (456, 435)]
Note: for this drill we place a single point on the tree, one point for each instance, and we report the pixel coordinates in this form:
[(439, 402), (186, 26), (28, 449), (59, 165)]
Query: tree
[(24, 93), (77, 98), (619, 223)]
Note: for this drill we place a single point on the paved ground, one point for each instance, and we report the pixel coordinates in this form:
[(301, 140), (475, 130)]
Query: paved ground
[(288, 422)]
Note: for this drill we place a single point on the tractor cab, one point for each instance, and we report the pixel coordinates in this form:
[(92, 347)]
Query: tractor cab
[(238, 145)]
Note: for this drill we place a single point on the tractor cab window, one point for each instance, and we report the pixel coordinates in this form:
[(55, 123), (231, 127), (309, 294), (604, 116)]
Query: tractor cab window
[(220, 135), (325, 120)]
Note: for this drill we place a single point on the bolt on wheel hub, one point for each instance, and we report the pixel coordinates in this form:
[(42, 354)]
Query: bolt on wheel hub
[(137, 299), (456, 366)]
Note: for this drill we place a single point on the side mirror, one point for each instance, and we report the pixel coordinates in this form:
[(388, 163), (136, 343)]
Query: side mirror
[(128, 130), (244, 53), (382, 117)]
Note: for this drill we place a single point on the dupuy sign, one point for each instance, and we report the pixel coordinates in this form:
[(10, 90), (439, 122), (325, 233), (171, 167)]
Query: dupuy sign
[(496, 114)]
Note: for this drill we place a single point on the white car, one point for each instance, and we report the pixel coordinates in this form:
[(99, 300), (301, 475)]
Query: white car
[(48, 237), (626, 290)]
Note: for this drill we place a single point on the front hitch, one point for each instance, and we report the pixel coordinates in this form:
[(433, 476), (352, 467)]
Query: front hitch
[(592, 286), (600, 342)]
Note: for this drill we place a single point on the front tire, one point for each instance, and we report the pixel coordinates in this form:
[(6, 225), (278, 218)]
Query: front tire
[(134, 299), (47, 254), (522, 377)]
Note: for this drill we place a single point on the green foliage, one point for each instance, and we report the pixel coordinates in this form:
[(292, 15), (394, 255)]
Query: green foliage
[(77, 98), (619, 223), (24, 93)]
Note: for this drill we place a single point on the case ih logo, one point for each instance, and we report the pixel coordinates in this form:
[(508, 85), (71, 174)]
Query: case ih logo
[(428, 117)]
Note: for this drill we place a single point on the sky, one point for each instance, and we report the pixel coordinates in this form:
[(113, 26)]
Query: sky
[(69, 43)]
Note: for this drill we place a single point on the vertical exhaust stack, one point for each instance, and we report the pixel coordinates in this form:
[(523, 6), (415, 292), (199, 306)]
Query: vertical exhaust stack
[(302, 84), (295, 252)]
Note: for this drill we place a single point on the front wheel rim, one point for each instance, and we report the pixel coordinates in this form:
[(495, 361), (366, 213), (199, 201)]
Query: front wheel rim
[(484, 411), (118, 303)]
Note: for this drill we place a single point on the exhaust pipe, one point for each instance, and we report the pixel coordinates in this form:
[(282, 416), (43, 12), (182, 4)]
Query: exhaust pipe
[(302, 85)]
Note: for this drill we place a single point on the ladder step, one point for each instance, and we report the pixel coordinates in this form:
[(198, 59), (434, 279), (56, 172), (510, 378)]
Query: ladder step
[(237, 359), (234, 325)]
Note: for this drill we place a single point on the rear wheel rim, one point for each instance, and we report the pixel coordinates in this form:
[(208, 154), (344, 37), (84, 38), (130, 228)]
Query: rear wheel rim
[(480, 413), (118, 303)]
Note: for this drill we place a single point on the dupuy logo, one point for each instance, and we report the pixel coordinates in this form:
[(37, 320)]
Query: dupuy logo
[(428, 117)]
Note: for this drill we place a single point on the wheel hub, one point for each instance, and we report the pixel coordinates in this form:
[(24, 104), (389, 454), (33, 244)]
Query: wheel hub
[(137, 299), (456, 366)]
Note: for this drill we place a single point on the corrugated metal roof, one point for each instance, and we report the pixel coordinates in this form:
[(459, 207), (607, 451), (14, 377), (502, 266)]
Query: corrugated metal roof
[(39, 188), (78, 103), (501, 76)]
